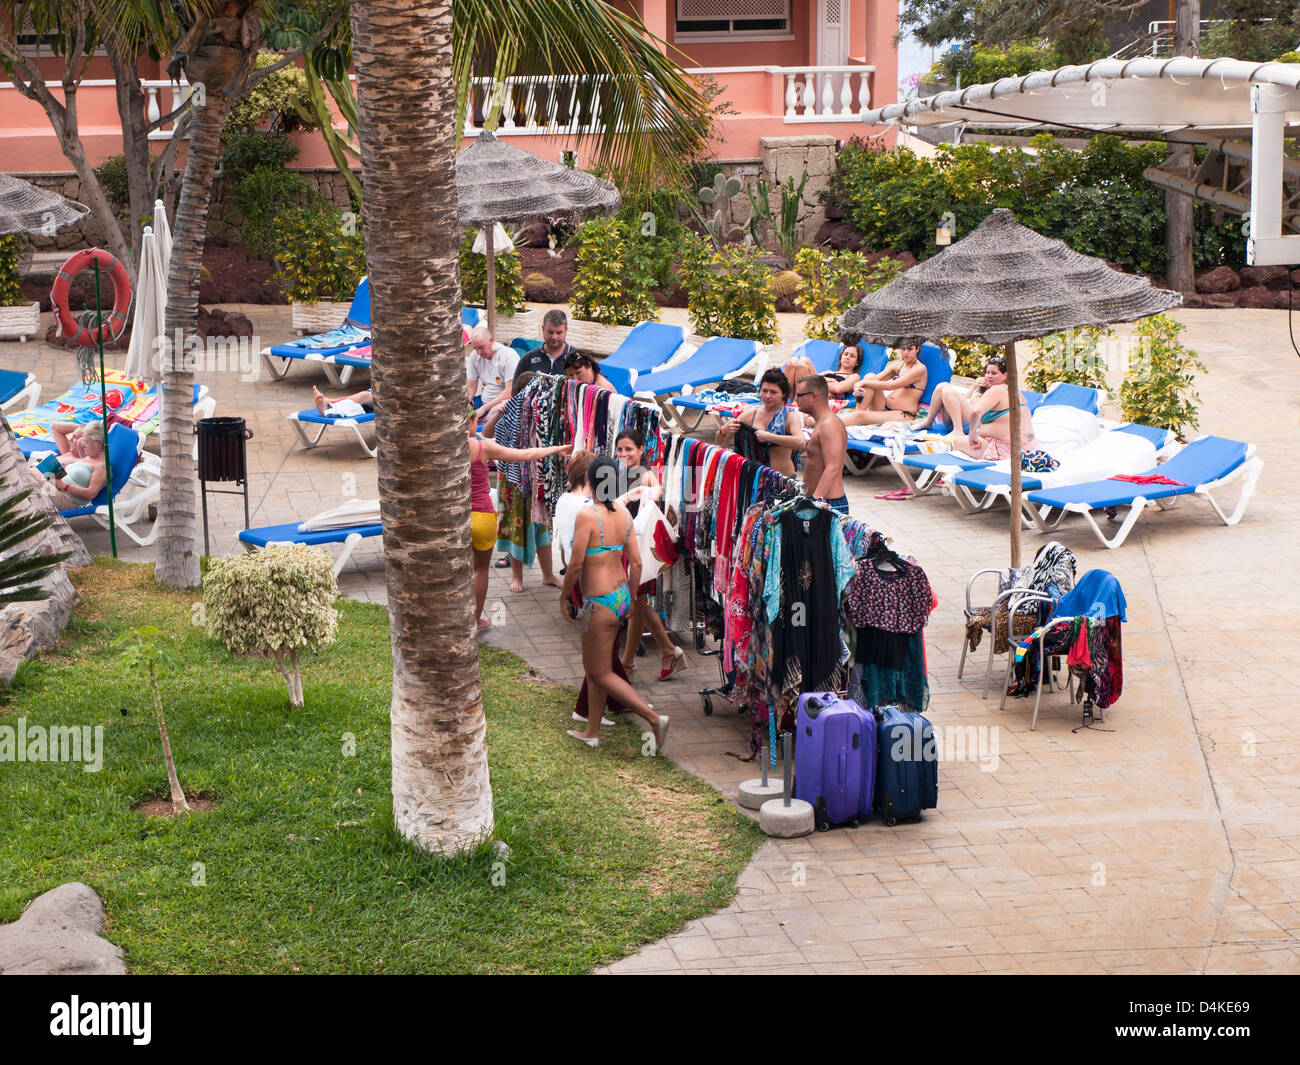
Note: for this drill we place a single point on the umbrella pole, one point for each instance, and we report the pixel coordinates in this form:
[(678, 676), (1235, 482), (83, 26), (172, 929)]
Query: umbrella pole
[(1013, 427), (488, 233), (103, 406)]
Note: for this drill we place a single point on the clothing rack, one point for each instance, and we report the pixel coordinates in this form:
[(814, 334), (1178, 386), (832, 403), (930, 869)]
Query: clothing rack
[(712, 493)]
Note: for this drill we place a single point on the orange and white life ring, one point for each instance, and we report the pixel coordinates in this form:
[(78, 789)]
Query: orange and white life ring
[(111, 328)]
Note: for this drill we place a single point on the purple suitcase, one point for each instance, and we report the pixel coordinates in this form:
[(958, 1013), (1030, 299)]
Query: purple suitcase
[(834, 758)]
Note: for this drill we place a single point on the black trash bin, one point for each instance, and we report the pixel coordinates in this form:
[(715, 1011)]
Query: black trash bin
[(223, 456)]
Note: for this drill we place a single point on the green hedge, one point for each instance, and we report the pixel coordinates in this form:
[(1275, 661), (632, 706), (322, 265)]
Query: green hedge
[(980, 65), (11, 282), (1094, 199)]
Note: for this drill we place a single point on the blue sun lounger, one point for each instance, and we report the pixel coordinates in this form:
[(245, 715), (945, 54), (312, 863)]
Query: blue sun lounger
[(977, 489), (715, 360), (823, 354), (1203, 466), (349, 536), (354, 332), (303, 418), (18, 389), (649, 345)]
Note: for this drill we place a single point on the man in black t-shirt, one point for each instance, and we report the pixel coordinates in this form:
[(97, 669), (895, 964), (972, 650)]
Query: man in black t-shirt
[(549, 358)]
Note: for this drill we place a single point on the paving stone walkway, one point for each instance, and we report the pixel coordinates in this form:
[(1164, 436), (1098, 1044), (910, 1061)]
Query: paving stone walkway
[(1163, 840)]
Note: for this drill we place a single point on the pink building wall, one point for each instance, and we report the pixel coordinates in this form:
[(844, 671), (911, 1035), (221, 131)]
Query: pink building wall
[(28, 144)]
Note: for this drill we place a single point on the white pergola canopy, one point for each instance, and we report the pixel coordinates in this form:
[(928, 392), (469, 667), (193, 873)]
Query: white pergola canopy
[(1196, 100), (1113, 95)]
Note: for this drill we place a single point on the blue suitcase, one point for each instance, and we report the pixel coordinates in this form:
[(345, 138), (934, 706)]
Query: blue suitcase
[(834, 758), (907, 770)]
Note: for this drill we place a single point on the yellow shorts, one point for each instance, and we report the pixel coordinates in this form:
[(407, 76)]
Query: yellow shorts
[(484, 530)]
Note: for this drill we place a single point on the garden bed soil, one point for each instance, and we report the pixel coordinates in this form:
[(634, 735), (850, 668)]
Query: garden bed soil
[(230, 275), (158, 806)]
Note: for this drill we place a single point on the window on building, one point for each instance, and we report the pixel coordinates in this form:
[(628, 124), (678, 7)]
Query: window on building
[(31, 43), (729, 17)]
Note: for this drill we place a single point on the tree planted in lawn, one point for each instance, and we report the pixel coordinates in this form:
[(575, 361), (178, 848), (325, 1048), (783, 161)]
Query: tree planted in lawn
[(273, 604), (143, 649)]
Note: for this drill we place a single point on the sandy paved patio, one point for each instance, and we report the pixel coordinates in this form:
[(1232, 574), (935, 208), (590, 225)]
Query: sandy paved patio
[(1164, 840)]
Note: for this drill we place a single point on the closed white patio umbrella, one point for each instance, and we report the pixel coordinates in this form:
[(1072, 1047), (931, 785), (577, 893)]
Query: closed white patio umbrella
[(150, 321)]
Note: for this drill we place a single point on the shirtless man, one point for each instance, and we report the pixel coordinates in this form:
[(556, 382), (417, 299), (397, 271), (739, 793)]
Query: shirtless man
[(824, 466), (893, 395), (781, 429)]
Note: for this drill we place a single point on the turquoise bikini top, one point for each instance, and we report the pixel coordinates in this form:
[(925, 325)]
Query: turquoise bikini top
[(612, 547)]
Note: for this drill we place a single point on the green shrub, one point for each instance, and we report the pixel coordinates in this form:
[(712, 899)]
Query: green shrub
[(246, 150), (318, 252), (1159, 386), (980, 65), (660, 232), (273, 603), (111, 174), (1095, 199), (11, 282), (835, 282), (1071, 356), (1255, 41), (473, 278), (1288, 57), (615, 274), (264, 194), (282, 97), (969, 357), (729, 292)]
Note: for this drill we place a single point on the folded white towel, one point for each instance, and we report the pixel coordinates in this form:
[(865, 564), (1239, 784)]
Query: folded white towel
[(353, 512)]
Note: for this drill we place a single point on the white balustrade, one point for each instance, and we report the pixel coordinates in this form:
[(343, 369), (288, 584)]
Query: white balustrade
[(533, 105), (540, 105), (824, 94)]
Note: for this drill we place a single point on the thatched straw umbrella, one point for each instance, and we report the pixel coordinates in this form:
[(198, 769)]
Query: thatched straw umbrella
[(499, 183), (1002, 283), (25, 208)]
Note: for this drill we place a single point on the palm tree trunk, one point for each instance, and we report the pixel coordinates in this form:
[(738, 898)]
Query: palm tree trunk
[(219, 56), (442, 798), (178, 532)]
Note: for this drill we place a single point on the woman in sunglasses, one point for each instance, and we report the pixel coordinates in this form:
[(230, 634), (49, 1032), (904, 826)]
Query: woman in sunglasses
[(580, 367)]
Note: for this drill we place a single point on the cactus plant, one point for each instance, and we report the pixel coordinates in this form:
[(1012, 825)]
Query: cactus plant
[(786, 227), (786, 283), (719, 196)]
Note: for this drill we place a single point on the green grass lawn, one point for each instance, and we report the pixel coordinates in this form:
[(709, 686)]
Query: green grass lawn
[(303, 869)]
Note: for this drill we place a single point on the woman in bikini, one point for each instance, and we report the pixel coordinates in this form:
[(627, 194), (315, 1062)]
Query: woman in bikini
[(840, 383), (782, 427), (602, 536), (990, 426), (483, 516), (641, 483), (956, 407), (893, 395)]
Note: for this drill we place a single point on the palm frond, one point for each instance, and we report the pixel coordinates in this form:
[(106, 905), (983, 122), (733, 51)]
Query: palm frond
[(21, 573), (649, 120)]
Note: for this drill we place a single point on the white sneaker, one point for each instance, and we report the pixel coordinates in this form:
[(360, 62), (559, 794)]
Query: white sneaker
[(603, 721)]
